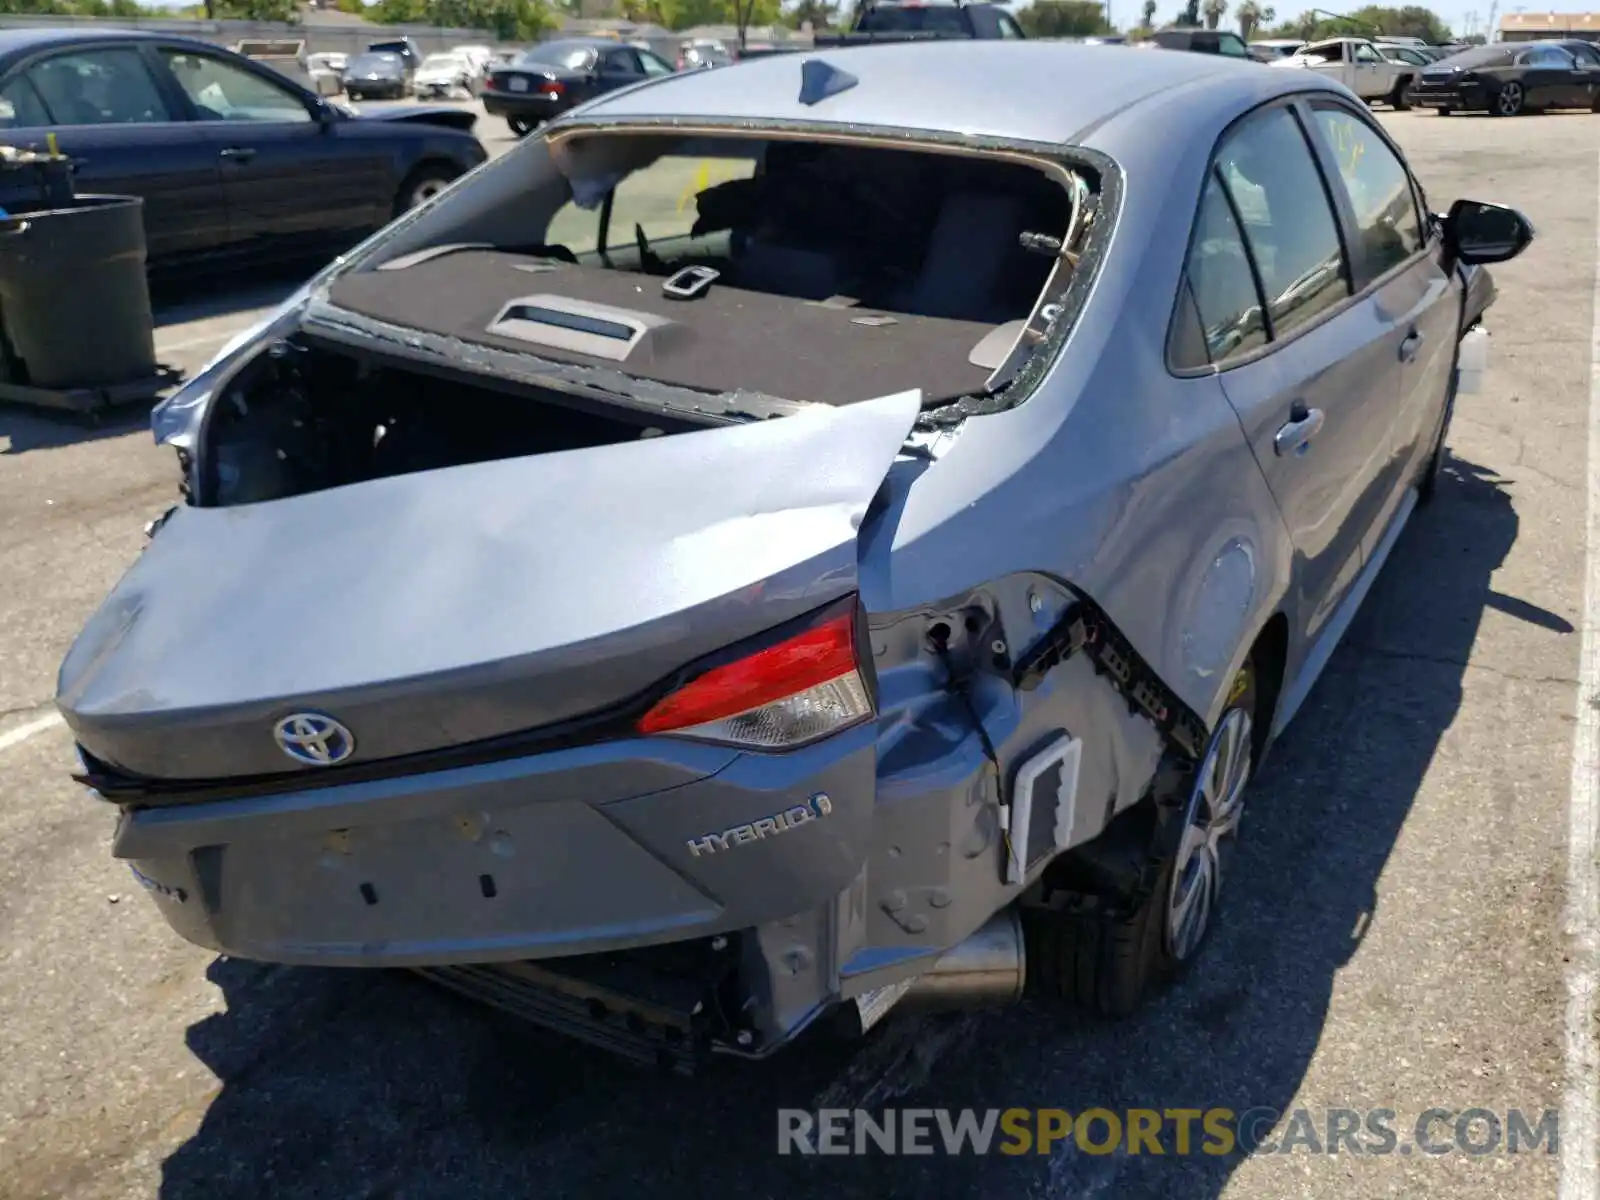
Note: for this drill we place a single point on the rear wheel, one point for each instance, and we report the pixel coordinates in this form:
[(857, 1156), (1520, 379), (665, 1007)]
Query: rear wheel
[(1106, 955), (520, 126), (1510, 100), (426, 182), (1444, 112)]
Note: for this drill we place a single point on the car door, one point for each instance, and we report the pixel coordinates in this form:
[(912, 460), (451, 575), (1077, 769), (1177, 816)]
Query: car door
[(1373, 77), (1397, 267), (290, 180), (1549, 77), (111, 117), (619, 67), (1308, 370), (1586, 69)]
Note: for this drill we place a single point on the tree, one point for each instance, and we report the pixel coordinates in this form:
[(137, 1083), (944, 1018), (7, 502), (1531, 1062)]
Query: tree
[(820, 14), (1064, 18), (1214, 11), (1147, 14), (1409, 21), (254, 10), (1190, 16), (507, 20), (1251, 17)]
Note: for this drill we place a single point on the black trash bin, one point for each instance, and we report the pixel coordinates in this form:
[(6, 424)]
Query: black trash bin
[(74, 301)]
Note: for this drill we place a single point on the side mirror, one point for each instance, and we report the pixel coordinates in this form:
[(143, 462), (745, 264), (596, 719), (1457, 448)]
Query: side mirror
[(1478, 232)]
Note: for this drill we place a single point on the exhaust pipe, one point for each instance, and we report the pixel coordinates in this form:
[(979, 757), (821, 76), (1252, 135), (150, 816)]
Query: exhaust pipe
[(987, 969)]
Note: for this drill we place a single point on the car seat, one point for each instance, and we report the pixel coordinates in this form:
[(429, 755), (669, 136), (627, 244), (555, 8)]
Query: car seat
[(972, 248)]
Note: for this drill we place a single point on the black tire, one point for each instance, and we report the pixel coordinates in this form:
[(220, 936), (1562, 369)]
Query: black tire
[(1509, 101), (520, 126), (1099, 954), (423, 184), (1400, 98), (1444, 112)]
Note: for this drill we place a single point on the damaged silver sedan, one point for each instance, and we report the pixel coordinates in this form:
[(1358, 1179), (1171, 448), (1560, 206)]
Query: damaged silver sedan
[(830, 533)]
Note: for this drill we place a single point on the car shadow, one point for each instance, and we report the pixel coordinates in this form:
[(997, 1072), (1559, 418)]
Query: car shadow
[(24, 428), (377, 1085)]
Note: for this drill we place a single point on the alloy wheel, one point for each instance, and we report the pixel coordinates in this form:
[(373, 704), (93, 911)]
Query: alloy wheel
[(1210, 819), (1508, 103)]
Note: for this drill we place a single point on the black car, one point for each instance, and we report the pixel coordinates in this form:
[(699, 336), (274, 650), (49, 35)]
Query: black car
[(234, 161), (408, 50), (1509, 78), (1202, 41), (545, 81), (377, 75)]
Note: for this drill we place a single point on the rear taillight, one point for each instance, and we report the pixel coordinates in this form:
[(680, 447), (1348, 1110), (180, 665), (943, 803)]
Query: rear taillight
[(488, 84), (777, 698), (553, 87)]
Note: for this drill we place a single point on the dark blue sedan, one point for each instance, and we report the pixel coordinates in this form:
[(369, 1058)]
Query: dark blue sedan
[(235, 162)]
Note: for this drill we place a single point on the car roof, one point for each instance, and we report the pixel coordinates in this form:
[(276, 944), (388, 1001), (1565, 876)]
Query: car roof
[(1013, 90)]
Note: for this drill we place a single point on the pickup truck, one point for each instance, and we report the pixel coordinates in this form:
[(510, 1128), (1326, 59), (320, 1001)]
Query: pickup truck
[(1358, 64)]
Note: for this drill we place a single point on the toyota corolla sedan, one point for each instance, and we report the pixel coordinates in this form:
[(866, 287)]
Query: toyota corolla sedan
[(828, 533)]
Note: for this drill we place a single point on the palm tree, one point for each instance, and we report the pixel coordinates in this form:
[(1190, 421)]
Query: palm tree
[(1251, 17), (1147, 15), (1214, 11)]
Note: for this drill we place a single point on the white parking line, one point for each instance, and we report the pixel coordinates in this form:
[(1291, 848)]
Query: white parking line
[(15, 737), (1580, 1105), (210, 339)]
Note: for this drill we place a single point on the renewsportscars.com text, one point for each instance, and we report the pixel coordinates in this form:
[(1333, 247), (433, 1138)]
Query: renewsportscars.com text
[(1171, 1131)]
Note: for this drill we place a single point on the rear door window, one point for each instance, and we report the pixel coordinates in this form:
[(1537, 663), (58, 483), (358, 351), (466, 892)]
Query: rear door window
[(99, 87), (1277, 190), (1223, 285), (20, 105)]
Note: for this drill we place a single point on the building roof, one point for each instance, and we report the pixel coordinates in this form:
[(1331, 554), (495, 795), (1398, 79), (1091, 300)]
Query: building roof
[(1046, 92), (1562, 21)]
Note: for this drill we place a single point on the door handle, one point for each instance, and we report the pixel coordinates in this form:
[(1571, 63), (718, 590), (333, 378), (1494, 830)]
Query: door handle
[(1410, 345), (241, 154), (1296, 434)]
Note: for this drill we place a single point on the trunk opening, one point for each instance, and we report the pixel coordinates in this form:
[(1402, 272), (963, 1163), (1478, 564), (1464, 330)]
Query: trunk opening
[(310, 416)]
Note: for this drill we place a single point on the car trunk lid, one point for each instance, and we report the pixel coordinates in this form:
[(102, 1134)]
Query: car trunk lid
[(451, 606)]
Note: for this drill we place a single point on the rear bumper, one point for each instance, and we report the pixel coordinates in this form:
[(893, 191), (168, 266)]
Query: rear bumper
[(535, 106), (524, 859), (379, 90)]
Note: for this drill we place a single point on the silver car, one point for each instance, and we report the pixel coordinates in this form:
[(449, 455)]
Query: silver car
[(827, 533)]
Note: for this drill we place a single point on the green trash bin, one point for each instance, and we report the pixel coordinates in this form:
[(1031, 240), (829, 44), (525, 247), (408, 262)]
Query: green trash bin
[(74, 301)]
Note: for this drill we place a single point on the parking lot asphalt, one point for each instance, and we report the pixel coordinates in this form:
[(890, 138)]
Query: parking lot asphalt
[(1393, 937)]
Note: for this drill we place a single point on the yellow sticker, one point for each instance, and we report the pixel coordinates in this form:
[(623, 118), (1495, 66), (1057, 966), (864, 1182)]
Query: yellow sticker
[(1241, 683), (702, 180)]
